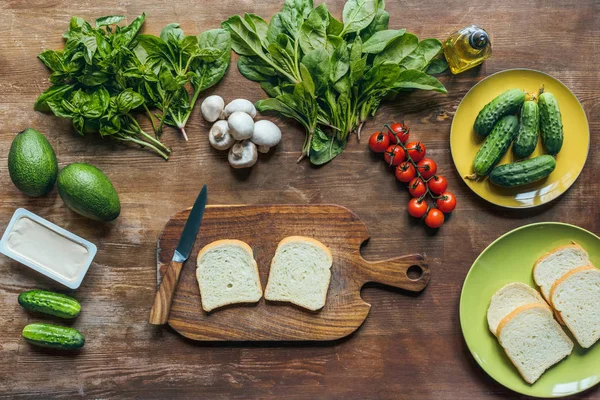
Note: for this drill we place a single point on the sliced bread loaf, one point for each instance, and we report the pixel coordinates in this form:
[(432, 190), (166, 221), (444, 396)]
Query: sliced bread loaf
[(576, 297), (508, 298), (533, 340), (227, 274), (554, 264), (300, 272)]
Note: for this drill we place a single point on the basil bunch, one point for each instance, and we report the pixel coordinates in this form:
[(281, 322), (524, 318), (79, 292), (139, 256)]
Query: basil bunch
[(331, 75), (106, 72)]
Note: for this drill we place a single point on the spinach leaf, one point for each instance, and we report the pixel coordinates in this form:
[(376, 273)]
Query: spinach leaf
[(379, 40), (358, 14), (313, 31), (437, 66), (397, 49), (259, 26), (380, 22), (324, 148), (421, 56), (415, 79), (317, 63)]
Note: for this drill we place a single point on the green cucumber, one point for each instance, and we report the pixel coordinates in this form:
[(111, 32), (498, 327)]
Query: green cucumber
[(54, 336), (495, 145), (550, 123), (51, 303), (523, 172), (527, 137), (504, 104)]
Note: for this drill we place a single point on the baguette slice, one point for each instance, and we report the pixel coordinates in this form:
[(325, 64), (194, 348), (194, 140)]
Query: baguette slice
[(508, 298), (300, 272), (227, 274), (533, 340), (554, 264), (576, 297)]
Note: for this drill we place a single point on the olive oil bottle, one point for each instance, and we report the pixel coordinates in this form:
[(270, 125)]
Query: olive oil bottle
[(467, 48)]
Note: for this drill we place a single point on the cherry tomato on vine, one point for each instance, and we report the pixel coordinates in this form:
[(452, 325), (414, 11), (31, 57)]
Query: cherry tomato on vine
[(394, 155), (416, 151), (438, 184), (427, 167), (405, 172), (378, 142), (447, 202), (417, 208), (398, 132), (435, 218), (417, 187)]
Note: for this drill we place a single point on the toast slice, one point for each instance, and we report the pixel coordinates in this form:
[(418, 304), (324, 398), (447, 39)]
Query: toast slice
[(533, 340), (508, 298), (554, 264), (576, 297), (227, 274), (300, 273)]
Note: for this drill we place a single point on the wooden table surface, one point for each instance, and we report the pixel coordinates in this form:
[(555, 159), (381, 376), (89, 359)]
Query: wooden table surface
[(409, 347)]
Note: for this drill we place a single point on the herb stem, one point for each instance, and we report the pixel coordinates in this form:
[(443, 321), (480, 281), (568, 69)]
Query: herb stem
[(143, 144)]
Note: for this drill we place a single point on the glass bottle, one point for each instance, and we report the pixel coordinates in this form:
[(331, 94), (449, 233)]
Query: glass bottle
[(467, 48)]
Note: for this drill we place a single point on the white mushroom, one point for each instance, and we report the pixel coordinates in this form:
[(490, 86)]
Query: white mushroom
[(242, 105), (266, 135), (241, 125), (243, 154), (219, 136), (212, 107)]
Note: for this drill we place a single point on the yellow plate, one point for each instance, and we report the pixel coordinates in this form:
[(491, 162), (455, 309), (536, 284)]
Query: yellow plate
[(464, 142)]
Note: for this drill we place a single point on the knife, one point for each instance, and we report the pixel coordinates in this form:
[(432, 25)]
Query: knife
[(162, 301)]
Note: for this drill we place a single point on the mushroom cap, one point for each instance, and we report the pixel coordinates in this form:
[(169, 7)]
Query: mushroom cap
[(243, 154), (212, 107), (219, 136), (240, 105), (241, 125), (266, 133)]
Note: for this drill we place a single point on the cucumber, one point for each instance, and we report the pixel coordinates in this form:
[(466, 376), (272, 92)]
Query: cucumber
[(527, 136), (58, 337), (504, 104), (523, 172), (495, 145), (51, 303), (550, 123)]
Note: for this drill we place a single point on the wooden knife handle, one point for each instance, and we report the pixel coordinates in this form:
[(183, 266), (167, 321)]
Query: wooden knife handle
[(162, 301), (395, 272)]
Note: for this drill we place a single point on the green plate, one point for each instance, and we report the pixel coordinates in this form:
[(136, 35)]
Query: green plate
[(508, 259)]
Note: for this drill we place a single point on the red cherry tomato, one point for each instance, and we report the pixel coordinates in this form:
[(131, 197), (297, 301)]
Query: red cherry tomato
[(427, 167), (417, 187), (405, 172), (416, 151), (398, 132), (378, 142), (438, 184), (447, 202), (394, 155), (417, 208), (434, 218)]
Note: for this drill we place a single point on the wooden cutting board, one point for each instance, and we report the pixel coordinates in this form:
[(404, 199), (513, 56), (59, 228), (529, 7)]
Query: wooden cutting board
[(262, 227)]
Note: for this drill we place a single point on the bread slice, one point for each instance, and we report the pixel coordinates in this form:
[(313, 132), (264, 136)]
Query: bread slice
[(576, 297), (508, 298), (300, 272), (554, 264), (533, 340), (227, 274)]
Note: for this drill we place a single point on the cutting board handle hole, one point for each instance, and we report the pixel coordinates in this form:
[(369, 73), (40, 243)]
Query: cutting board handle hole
[(414, 272)]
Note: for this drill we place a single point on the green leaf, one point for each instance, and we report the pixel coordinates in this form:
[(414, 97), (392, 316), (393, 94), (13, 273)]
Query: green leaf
[(109, 20), (255, 69), (307, 81), (313, 31), (171, 31), (245, 41), (275, 27), (358, 14), (91, 77), (437, 66), (52, 59), (53, 93), (130, 31), (358, 63), (380, 22), (334, 26), (397, 49), (294, 13), (379, 40), (340, 62), (420, 57), (415, 79), (259, 26), (317, 63), (324, 148), (90, 44)]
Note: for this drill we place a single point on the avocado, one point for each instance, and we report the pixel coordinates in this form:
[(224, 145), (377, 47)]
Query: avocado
[(32, 163), (87, 191)]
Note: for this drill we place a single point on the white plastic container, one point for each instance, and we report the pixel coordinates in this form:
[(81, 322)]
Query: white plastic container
[(47, 248)]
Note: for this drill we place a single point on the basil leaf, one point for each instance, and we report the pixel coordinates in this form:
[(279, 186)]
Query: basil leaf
[(53, 93), (127, 34), (379, 40), (52, 59), (414, 79), (90, 44), (109, 20), (358, 14)]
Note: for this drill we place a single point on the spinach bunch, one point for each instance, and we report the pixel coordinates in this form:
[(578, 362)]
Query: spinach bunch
[(107, 72), (331, 75)]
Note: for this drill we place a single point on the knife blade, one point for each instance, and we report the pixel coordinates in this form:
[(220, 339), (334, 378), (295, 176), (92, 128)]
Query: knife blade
[(191, 228), (164, 297)]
